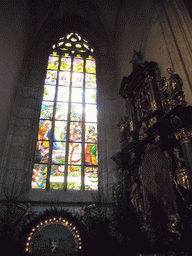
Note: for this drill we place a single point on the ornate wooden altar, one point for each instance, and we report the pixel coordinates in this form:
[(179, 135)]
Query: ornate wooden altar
[(155, 161)]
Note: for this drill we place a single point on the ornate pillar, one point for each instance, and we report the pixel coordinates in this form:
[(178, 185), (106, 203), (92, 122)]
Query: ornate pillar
[(132, 115), (184, 136)]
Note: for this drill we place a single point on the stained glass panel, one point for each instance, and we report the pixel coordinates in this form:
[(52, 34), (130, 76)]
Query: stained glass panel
[(65, 63), (90, 113), (90, 81), (64, 78), (57, 177), (76, 112), (60, 131), (90, 66), (61, 111), (39, 176), (49, 92), (76, 95), (77, 80), (91, 153), (53, 62), (58, 155), (90, 96), (75, 133), (74, 156), (91, 178), (42, 147), (68, 115), (51, 77), (74, 177), (90, 132), (78, 64), (63, 94), (46, 110)]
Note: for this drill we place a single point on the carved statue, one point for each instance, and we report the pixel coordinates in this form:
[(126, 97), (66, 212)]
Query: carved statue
[(175, 82), (136, 59)]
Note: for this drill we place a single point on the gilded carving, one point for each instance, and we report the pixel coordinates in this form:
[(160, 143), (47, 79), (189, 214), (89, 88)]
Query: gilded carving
[(181, 176), (131, 126), (136, 195), (170, 89), (184, 135), (143, 104), (174, 224)]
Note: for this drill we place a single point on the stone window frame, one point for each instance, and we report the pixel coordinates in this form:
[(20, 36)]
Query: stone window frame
[(18, 155)]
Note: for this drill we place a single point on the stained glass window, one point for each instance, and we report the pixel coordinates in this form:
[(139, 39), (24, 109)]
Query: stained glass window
[(66, 154)]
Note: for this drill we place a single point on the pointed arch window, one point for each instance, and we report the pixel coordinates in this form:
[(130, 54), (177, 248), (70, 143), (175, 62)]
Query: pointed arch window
[(66, 154)]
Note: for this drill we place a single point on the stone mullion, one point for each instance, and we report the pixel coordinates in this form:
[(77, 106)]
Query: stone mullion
[(68, 129), (52, 130)]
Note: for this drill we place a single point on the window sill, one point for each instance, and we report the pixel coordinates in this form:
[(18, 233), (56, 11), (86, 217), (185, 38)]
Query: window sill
[(60, 196)]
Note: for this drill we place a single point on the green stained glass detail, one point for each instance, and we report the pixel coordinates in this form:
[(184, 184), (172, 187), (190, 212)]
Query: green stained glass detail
[(91, 132), (57, 177), (51, 77), (63, 94), (66, 63), (91, 154), (74, 156), (77, 79), (90, 81), (74, 177), (91, 178), (49, 92), (76, 95), (76, 112), (90, 96), (53, 62), (61, 111), (90, 113), (78, 64), (75, 133), (64, 78), (46, 110), (59, 152), (90, 66), (39, 176), (60, 131)]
